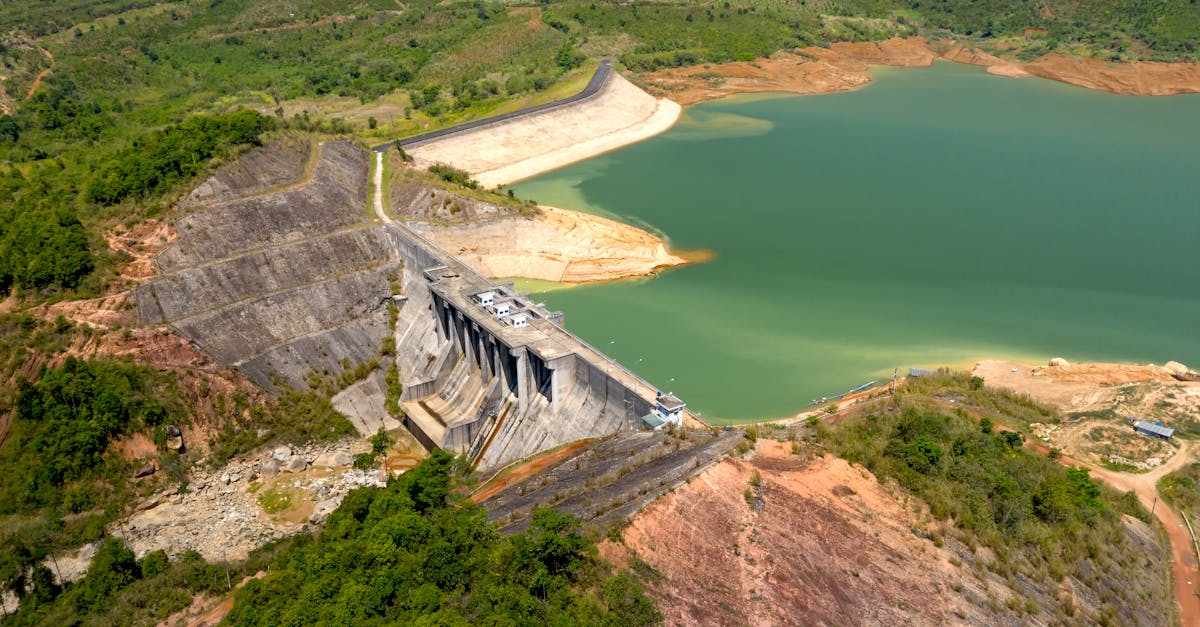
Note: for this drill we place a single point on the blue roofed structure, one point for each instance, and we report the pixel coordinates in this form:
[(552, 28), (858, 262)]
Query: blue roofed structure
[(1153, 429)]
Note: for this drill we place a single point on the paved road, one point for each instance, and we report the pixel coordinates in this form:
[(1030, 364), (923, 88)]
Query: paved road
[(598, 81)]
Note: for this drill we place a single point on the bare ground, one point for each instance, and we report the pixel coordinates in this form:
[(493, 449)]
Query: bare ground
[(794, 537), (1097, 400), (512, 240), (844, 66)]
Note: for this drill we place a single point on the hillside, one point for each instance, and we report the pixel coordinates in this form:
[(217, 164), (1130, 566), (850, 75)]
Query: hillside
[(196, 290), (923, 518)]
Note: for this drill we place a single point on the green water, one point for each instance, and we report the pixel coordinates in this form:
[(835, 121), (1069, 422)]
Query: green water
[(937, 216)]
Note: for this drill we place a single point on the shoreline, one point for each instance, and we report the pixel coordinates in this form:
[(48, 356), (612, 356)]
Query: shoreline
[(561, 246), (841, 67), (1112, 373), (846, 66)]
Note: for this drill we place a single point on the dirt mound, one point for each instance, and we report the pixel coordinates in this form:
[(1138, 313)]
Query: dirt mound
[(506, 240), (558, 245), (1148, 392)]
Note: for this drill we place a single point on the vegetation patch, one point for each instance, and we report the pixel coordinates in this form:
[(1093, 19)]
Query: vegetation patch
[(275, 500), (1043, 517)]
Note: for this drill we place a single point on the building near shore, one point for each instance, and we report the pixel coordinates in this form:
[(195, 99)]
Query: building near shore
[(668, 409), (1153, 429)]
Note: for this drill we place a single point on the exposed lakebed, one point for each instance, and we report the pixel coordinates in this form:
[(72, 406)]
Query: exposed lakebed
[(935, 216)]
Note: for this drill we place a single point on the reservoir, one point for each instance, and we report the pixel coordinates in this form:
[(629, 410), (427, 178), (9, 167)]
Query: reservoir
[(934, 217)]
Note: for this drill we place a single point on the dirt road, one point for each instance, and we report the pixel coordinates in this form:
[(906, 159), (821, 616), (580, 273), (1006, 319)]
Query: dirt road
[(1145, 485), (37, 81)]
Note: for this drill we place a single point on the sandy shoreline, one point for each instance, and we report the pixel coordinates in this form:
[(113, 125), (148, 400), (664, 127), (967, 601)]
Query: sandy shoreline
[(623, 114)]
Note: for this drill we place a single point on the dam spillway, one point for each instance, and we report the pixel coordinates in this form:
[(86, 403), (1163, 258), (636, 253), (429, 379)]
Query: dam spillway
[(494, 387), (287, 279)]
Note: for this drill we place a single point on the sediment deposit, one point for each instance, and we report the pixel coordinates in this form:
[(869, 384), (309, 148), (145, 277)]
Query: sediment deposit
[(516, 149), (556, 245)]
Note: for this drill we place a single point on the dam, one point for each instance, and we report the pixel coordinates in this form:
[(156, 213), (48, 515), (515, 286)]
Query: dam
[(280, 270), (493, 375)]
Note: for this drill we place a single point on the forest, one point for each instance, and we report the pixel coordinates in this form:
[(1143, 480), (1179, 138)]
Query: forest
[(413, 553)]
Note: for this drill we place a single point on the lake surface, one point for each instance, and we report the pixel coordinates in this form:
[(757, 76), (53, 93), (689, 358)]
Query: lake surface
[(932, 218)]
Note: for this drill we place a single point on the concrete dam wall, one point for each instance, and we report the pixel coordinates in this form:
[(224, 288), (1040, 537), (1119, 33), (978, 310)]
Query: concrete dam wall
[(287, 278)]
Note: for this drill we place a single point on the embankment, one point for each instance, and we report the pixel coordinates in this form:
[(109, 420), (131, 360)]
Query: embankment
[(845, 66), (277, 272), (616, 115)]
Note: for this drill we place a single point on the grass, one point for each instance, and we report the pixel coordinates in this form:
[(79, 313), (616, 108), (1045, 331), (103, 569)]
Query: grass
[(275, 500)]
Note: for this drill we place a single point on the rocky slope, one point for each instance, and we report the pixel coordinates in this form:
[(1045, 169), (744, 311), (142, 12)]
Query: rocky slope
[(798, 539)]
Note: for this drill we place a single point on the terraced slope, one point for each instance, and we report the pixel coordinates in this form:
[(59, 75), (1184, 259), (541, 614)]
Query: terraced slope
[(277, 271)]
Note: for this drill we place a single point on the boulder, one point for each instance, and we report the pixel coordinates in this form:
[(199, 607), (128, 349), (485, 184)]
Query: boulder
[(323, 509), (174, 438), (270, 468), (334, 459), (282, 454), (295, 463), (1059, 361), (144, 471), (1175, 367)]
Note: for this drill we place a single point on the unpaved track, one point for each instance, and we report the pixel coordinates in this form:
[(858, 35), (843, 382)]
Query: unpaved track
[(37, 81), (1145, 485), (378, 181)]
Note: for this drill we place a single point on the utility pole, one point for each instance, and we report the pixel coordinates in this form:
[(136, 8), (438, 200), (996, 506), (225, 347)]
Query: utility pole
[(1154, 506), (61, 581)]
